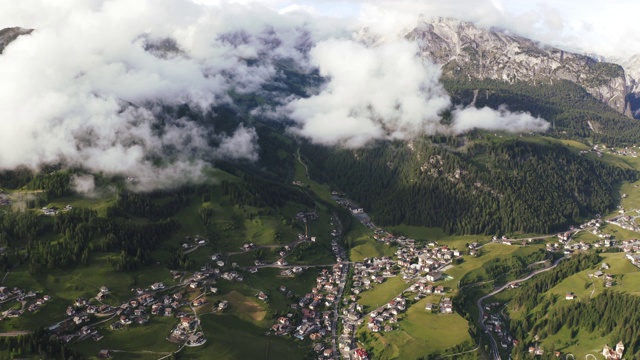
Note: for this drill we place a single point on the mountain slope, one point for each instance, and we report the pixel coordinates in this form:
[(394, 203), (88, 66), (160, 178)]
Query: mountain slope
[(471, 52), (472, 185)]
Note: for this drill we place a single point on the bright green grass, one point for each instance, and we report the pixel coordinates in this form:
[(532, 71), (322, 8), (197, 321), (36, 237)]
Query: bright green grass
[(619, 233), (369, 248), (322, 191), (625, 274), (135, 340), (230, 338), (381, 294), (584, 343), (632, 201), (363, 245), (99, 204), (269, 280), (64, 286), (488, 252), (419, 334), (585, 236)]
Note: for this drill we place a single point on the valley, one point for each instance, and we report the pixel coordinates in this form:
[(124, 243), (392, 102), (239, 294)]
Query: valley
[(261, 251), (238, 180)]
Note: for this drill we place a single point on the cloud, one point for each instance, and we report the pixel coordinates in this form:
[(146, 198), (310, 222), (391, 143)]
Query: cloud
[(89, 87), (83, 184), (471, 118), (386, 92), (243, 144), (604, 28)]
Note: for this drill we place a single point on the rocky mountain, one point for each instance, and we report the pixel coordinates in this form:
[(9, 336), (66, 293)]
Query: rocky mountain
[(467, 51), (9, 34), (631, 67)]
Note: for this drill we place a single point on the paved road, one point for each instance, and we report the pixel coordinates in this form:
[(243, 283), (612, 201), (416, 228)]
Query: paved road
[(494, 345)]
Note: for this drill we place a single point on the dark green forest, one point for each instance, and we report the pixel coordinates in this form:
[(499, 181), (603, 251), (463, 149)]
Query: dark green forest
[(488, 187), (565, 104)]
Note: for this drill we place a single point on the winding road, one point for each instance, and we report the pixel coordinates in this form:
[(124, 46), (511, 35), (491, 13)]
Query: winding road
[(494, 346)]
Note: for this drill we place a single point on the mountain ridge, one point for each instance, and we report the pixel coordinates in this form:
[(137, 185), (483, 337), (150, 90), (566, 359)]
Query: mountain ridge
[(466, 50)]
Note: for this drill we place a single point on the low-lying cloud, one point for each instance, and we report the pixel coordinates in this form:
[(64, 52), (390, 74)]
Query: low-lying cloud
[(90, 86), (387, 92), (87, 88)]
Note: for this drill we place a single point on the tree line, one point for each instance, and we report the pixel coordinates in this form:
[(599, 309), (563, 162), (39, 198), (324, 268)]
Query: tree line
[(487, 188)]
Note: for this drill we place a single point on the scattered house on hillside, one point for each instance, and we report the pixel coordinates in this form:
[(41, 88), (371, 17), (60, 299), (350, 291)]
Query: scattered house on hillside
[(157, 286), (570, 296), (611, 354)]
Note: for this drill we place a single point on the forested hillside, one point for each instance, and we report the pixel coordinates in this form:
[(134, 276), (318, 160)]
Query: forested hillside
[(482, 187), (573, 112)]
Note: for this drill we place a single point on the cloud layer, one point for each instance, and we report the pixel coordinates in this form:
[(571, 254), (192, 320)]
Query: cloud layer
[(387, 92), (85, 87), (90, 86)]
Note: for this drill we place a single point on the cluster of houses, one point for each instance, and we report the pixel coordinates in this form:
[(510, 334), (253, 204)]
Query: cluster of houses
[(316, 310), (414, 260), (493, 323), (625, 151), (291, 272), (613, 354), (625, 221), (384, 319), (20, 295), (306, 216), (632, 251), (567, 247), (185, 327), (197, 241), (608, 279), (50, 211), (372, 271), (445, 306)]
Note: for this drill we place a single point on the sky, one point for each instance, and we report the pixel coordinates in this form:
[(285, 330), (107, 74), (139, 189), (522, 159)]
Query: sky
[(604, 27), (85, 89)]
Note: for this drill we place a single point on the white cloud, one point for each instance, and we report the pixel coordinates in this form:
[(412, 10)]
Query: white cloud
[(83, 89), (386, 92), (83, 184), (486, 118), (243, 144)]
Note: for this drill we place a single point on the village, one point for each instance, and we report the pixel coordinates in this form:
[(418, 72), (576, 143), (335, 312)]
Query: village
[(329, 315)]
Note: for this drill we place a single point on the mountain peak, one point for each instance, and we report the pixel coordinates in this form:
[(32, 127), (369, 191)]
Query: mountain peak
[(468, 51)]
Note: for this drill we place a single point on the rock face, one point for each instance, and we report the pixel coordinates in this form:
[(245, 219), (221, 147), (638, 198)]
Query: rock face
[(9, 34), (632, 69), (467, 51)]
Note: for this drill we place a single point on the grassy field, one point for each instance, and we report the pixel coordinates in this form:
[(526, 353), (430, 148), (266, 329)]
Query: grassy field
[(471, 265), (419, 334), (64, 286), (322, 191), (585, 343), (381, 294), (625, 274), (363, 245), (146, 341), (230, 338), (627, 278)]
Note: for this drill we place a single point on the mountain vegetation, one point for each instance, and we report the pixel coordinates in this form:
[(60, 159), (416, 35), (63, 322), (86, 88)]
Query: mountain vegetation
[(481, 187), (573, 113)]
